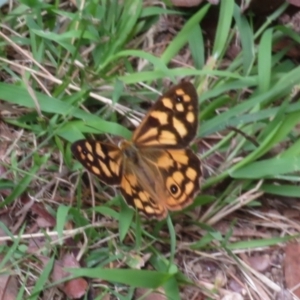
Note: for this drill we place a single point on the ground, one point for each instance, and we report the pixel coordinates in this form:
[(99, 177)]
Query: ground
[(70, 72)]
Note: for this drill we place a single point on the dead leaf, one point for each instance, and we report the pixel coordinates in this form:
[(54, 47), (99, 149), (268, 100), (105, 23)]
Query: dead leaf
[(8, 287), (260, 262), (157, 295), (36, 243), (294, 2), (235, 286), (74, 288), (45, 219), (291, 267)]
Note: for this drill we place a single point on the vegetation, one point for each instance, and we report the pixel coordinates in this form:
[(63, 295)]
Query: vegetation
[(69, 71)]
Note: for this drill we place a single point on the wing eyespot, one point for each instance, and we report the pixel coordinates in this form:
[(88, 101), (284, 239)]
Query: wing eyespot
[(174, 189), (179, 98)]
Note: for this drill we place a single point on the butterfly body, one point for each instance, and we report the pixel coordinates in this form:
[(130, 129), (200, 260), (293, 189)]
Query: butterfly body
[(155, 170)]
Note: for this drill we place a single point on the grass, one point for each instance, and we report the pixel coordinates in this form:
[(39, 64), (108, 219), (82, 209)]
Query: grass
[(69, 72)]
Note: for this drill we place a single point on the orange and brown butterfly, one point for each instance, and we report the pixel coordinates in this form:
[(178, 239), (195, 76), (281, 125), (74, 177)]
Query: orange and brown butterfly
[(155, 171)]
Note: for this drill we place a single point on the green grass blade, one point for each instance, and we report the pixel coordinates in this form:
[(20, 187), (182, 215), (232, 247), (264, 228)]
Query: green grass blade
[(184, 35)]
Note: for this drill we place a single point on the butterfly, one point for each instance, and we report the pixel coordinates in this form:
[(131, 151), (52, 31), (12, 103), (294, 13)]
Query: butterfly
[(156, 171)]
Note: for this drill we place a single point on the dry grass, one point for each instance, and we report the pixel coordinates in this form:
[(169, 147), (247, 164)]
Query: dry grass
[(70, 71)]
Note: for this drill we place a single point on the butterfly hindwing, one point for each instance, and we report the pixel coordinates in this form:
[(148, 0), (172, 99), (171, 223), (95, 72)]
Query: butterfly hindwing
[(162, 181), (182, 178), (141, 198)]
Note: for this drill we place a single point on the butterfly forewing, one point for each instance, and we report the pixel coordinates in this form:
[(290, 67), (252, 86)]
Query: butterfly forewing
[(172, 121), (102, 159)]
